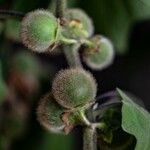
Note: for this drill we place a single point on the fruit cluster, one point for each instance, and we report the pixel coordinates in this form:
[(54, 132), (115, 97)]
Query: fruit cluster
[(41, 32), (74, 89)]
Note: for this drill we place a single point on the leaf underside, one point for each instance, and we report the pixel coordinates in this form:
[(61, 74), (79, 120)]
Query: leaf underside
[(136, 121)]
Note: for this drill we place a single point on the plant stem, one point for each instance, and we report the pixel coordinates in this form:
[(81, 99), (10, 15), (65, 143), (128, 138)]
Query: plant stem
[(61, 6), (87, 43), (52, 6), (67, 41), (10, 13), (72, 55), (89, 138)]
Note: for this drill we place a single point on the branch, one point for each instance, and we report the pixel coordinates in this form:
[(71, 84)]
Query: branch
[(72, 55), (11, 14), (61, 6), (89, 139)]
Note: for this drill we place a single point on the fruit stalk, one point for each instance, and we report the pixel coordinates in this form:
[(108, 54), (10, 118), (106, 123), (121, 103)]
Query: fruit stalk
[(89, 139), (72, 55)]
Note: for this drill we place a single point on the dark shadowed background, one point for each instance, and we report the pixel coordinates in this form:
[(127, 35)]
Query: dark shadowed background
[(125, 22)]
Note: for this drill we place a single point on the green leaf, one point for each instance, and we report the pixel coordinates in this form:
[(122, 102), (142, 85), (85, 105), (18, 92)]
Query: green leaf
[(115, 19), (12, 30), (112, 20), (56, 142), (138, 9), (136, 121)]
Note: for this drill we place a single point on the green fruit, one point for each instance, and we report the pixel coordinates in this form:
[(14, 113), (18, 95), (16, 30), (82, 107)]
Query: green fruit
[(74, 87), (49, 114), (79, 24), (39, 30), (101, 55)]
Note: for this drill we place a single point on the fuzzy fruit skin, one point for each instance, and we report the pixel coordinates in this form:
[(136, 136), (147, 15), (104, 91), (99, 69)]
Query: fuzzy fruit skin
[(74, 87), (79, 24), (101, 56), (49, 114), (39, 30)]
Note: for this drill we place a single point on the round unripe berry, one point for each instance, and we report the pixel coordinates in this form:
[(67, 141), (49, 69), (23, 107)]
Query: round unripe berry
[(101, 55), (74, 87), (39, 30), (49, 114), (79, 24)]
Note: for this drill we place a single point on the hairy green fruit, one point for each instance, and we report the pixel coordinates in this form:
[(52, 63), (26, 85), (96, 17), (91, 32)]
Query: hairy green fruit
[(101, 55), (74, 87), (79, 24), (49, 114), (39, 30)]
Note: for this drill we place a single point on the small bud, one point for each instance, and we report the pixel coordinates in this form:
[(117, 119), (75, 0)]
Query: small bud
[(49, 114), (74, 87), (79, 24), (39, 30), (101, 55)]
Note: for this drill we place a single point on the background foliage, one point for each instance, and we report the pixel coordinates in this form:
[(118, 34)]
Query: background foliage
[(125, 22)]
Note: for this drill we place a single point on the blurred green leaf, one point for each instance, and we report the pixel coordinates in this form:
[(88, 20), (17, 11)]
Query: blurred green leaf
[(3, 87), (12, 30), (138, 9), (116, 18), (1, 26), (136, 121), (56, 142), (3, 143), (26, 63)]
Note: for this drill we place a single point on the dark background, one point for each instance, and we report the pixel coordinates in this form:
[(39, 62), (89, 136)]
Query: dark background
[(129, 30)]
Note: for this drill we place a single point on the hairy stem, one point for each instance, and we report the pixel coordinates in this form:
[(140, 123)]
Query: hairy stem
[(89, 139), (52, 6), (11, 14), (72, 55), (61, 6)]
